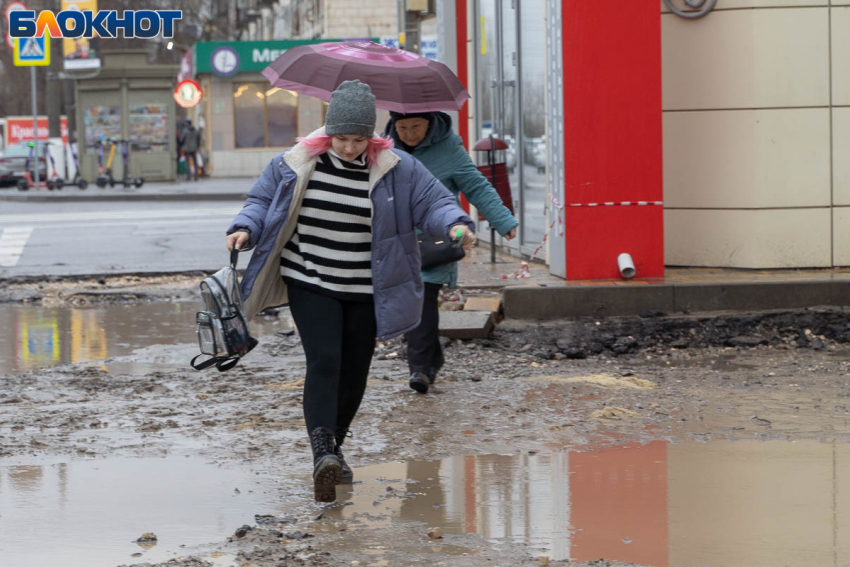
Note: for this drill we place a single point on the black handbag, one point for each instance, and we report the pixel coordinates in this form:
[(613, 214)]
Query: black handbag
[(438, 251)]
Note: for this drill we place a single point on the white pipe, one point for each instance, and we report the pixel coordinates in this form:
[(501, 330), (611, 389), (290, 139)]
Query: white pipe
[(627, 266)]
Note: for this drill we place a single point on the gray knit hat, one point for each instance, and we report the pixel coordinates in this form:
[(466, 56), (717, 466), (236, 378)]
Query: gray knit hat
[(351, 111)]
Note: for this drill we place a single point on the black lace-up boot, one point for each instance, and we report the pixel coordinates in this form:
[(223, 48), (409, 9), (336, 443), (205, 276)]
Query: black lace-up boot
[(347, 473), (327, 467)]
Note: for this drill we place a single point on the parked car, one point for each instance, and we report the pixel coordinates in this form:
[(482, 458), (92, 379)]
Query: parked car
[(14, 163), (7, 177)]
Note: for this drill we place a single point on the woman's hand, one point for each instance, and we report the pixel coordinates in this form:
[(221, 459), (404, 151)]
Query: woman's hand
[(468, 236), (237, 240), (511, 235)]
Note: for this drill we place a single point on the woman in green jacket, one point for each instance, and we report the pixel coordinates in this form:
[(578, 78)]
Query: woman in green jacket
[(430, 139)]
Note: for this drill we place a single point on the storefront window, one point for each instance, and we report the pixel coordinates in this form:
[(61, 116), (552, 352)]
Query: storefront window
[(264, 117), (282, 112), (249, 109), (149, 127)]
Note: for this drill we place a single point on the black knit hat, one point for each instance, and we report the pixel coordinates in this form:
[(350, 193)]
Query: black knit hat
[(396, 116)]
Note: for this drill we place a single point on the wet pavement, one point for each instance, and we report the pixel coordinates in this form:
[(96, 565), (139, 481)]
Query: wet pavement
[(38, 337), (85, 513), (702, 455)]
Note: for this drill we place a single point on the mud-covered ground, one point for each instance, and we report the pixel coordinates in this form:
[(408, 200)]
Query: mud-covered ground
[(531, 388), (108, 289)]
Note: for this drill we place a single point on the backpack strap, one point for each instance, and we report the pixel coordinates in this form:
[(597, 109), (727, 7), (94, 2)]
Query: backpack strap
[(205, 364), (221, 363), (225, 364)]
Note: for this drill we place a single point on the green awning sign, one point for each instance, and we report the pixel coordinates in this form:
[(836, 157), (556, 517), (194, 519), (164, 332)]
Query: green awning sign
[(226, 58)]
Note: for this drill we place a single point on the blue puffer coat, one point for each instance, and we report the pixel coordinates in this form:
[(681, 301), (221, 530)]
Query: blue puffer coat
[(405, 196), (442, 152)]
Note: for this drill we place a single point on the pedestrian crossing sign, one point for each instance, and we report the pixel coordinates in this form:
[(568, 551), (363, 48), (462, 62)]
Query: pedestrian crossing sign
[(32, 51)]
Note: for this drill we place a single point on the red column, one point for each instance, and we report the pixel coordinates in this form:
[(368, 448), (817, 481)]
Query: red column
[(612, 137), (462, 38)]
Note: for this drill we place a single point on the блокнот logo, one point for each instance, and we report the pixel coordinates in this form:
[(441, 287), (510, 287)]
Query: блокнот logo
[(85, 23)]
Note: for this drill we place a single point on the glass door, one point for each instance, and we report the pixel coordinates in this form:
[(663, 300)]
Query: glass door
[(532, 63), (511, 91)]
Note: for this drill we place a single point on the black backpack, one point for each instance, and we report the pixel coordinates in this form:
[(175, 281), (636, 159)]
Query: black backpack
[(222, 325)]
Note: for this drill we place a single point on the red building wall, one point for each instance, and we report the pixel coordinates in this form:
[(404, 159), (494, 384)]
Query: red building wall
[(612, 141)]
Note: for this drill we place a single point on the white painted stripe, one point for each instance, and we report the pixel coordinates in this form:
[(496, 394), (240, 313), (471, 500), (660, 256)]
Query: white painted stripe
[(12, 243)]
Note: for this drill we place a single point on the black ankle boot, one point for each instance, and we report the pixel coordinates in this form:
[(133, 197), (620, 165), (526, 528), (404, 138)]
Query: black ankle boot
[(420, 382), (327, 468), (347, 473)]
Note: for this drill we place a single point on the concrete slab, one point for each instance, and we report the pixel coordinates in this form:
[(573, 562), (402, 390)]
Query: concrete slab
[(466, 324), (491, 303)]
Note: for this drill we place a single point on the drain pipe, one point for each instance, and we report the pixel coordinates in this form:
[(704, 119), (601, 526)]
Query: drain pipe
[(626, 265)]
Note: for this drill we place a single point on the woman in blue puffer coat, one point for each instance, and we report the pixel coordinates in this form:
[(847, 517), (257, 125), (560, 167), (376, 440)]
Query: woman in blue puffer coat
[(333, 225)]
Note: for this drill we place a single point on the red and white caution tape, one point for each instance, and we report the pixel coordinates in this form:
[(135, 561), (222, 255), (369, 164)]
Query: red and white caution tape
[(620, 204), (523, 271)]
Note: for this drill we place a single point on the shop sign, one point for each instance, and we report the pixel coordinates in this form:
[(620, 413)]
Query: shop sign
[(226, 58), (188, 93), (19, 129), (428, 48)]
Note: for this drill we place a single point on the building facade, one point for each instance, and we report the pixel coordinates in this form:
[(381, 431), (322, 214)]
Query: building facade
[(711, 141)]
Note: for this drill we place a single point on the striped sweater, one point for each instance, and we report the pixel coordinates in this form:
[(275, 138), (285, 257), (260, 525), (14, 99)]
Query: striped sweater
[(331, 249)]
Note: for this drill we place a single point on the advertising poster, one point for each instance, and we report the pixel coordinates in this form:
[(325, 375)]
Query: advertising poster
[(80, 53), (102, 123), (149, 127)]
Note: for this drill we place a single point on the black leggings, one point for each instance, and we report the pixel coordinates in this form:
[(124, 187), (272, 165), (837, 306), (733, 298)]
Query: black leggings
[(424, 353), (339, 340)]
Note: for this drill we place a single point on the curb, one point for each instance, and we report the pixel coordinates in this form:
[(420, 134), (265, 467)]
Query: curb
[(612, 301), (123, 197)]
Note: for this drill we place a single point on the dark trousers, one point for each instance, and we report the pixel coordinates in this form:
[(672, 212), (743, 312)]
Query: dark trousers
[(339, 340), (424, 353), (191, 166)]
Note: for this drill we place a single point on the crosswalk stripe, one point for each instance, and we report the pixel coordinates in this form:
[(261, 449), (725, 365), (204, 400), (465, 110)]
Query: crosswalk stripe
[(117, 215), (12, 243)]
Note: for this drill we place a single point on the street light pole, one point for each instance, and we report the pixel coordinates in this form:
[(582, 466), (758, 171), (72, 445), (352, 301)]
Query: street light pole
[(34, 125)]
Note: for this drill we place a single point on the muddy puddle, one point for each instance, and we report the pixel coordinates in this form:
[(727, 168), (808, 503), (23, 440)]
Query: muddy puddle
[(89, 513), (680, 504), (34, 337), (687, 504)]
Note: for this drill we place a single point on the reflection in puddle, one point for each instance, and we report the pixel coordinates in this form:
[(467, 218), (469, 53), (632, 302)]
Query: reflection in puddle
[(37, 337), (89, 513), (690, 504)]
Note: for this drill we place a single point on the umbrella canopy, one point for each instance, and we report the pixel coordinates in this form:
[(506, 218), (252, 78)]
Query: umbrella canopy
[(401, 81)]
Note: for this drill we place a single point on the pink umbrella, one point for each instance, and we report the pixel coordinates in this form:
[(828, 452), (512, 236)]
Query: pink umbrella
[(401, 81)]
